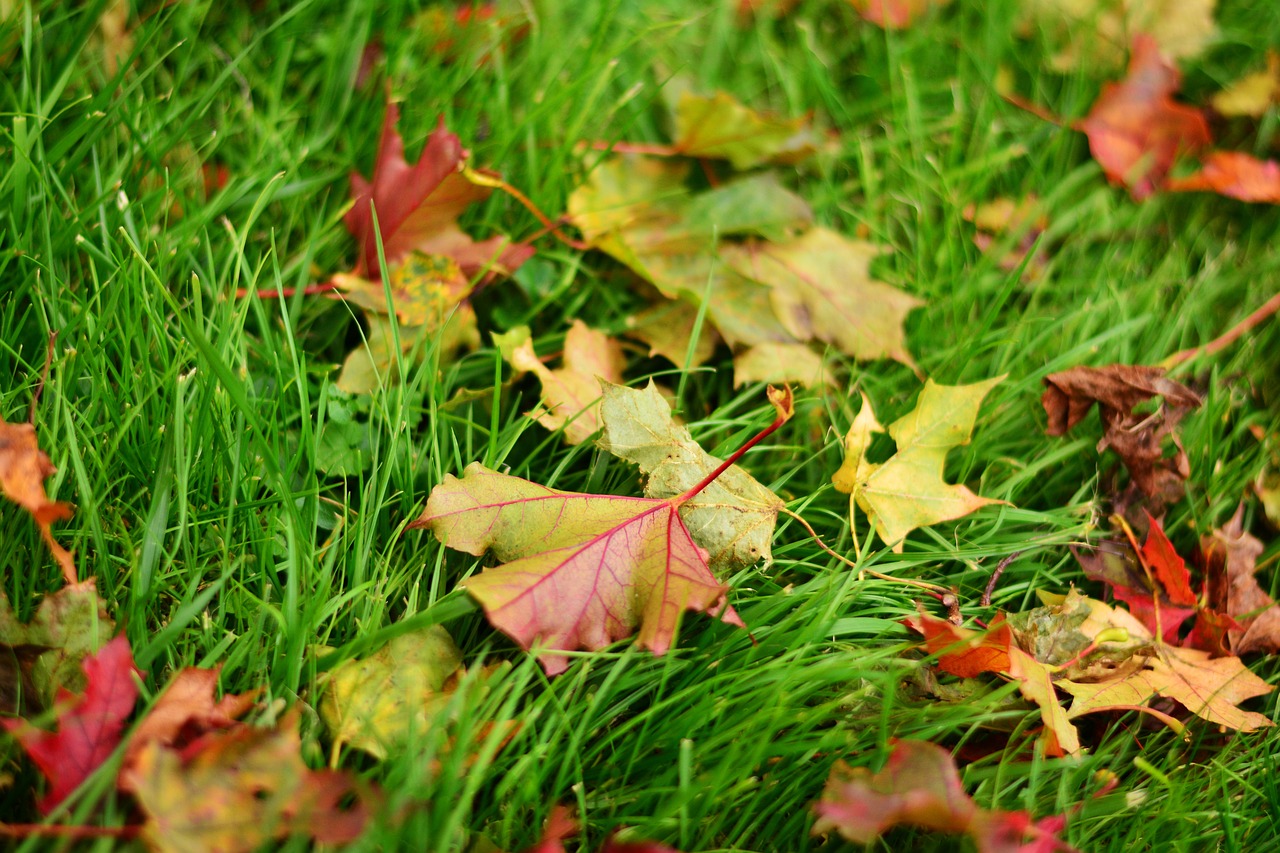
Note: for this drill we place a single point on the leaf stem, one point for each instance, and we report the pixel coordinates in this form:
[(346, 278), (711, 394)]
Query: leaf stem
[(1228, 337), (286, 292), (484, 179), (44, 376), (935, 590), (781, 402), (655, 149)]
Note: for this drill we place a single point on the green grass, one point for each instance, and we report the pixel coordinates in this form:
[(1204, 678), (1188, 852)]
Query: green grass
[(185, 423)]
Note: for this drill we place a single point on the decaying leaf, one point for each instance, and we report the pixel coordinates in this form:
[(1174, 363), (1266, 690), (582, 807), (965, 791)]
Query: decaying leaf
[(570, 393), (908, 491), (23, 469), (89, 725), (732, 518), (1252, 94), (1231, 561), (920, 786), (69, 625), (581, 570), (188, 710), (1096, 33), (721, 127), (668, 326), (968, 653), (418, 206), (1136, 437), (238, 789), (1136, 131), (894, 14), (780, 364), (380, 702), (1234, 174), (822, 290)]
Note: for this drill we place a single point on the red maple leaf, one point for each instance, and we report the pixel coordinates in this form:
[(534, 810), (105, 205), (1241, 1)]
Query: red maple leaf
[(417, 207), (89, 725), (1156, 586), (1136, 131)]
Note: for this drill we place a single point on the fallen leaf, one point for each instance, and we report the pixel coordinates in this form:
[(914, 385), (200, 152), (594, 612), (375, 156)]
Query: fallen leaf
[(377, 703), (581, 570), (1234, 174), (721, 127), (417, 207), (780, 364), (667, 327), (894, 14), (23, 469), (732, 518), (375, 363), (920, 786), (1210, 688), (969, 653), (68, 625), (1114, 564), (89, 725), (1136, 437), (1253, 94), (908, 490), (187, 710), (235, 790), (570, 393), (1136, 131), (1095, 34), (116, 42), (424, 289), (821, 289), (1231, 561)]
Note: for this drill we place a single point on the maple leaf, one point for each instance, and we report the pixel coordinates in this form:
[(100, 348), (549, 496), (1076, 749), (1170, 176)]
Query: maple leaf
[(908, 491), (1136, 437), (920, 785), (23, 469), (894, 14), (67, 626), (380, 702), (89, 725), (1135, 129), (721, 127), (1140, 581), (780, 364), (418, 205), (187, 710), (822, 290), (235, 790), (1231, 560), (969, 653), (570, 393), (732, 518), (580, 570), (668, 326), (1234, 174), (639, 211)]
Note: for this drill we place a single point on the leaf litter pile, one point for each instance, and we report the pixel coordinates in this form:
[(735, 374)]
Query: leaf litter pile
[(1157, 623)]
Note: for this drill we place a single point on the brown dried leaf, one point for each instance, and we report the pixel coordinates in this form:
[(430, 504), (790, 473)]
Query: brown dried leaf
[(1231, 559), (1137, 438)]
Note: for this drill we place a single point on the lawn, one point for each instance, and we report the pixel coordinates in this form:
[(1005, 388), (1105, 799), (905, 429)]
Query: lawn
[(170, 201)]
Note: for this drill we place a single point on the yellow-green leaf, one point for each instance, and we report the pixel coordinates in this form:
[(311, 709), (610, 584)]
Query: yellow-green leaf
[(908, 491), (721, 127)]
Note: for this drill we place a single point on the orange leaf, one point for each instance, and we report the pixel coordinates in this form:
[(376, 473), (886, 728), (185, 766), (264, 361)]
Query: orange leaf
[(1236, 175), (1136, 131), (23, 468)]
